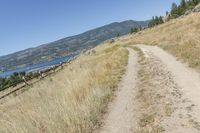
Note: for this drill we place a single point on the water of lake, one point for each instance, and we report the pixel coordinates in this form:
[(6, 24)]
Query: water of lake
[(38, 66)]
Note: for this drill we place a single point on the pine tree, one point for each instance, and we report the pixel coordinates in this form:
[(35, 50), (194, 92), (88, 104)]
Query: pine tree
[(183, 4), (156, 20), (152, 22), (161, 20), (140, 28), (196, 2), (174, 11), (132, 31), (174, 7), (135, 30), (190, 4), (118, 35), (182, 8)]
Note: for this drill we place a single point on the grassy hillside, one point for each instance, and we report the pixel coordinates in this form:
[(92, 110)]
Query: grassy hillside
[(181, 37), (71, 100)]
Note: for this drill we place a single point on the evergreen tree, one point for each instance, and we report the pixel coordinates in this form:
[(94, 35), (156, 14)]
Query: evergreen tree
[(140, 27), (174, 7), (156, 20), (183, 4), (132, 31), (182, 7), (174, 11), (196, 2), (190, 4), (135, 30), (118, 35), (161, 20), (151, 23)]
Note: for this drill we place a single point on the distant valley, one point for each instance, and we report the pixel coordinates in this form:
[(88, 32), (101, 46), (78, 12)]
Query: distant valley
[(68, 45)]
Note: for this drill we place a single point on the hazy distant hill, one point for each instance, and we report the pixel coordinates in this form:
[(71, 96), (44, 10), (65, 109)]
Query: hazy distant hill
[(67, 45)]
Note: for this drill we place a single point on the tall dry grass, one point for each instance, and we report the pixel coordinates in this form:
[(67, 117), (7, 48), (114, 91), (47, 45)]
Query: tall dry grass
[(181, 37), (72, 100)]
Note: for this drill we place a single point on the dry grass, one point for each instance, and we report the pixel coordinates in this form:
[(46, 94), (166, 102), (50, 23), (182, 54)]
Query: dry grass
[(181, 37), (72, 100)]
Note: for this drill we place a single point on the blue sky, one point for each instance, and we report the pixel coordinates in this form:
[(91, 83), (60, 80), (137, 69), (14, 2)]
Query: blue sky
[(29, 23)]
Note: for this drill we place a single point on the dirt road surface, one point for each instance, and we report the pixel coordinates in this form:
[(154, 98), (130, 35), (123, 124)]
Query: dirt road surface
[(174, 90), (120, 117), (157, 94)]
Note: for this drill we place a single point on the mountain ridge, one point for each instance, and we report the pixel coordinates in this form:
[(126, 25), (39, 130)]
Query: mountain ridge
[(67, 45)]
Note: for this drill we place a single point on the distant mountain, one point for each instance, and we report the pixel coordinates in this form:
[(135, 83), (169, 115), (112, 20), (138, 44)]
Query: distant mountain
[(67, 45)]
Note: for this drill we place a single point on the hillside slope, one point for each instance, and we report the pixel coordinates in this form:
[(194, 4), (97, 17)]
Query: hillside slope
[(71, 100), (180, 37), (158, 92), (68, 45)]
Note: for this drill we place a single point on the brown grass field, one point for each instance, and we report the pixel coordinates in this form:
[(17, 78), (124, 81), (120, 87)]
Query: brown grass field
[(70, 101)]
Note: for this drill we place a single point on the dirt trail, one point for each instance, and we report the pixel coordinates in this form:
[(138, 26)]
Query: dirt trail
[(120, 118), (169, 94), (157, 94)]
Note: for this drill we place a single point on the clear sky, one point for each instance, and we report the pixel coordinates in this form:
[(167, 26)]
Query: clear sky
[(29, 23)]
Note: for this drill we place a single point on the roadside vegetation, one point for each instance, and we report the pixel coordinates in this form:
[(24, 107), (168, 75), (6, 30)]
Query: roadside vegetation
[(15, 79), (72, 100), (155, 21), (11, 81), (176, 11), (185, 5), (135, 30)]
